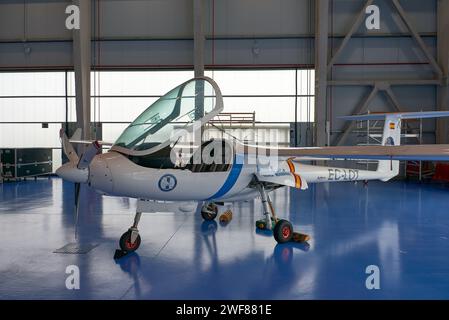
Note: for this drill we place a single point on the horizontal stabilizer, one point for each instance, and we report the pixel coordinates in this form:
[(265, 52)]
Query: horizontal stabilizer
[(400, 115)]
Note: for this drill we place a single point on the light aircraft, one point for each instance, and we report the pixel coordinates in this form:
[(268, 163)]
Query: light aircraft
[(161, 157)]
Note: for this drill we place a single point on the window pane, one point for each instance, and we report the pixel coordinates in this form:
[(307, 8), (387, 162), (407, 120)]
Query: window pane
[(267, 109), (32, 109), (306, 109), (306, 82), (71, 83), (29, 135), (111, 131), (119, 109), (255, 82), (32, 84), (118, 83), (71, 116)]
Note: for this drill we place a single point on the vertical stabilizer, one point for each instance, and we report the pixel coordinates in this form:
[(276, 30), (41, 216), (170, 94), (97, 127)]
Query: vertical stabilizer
[(391, 137)]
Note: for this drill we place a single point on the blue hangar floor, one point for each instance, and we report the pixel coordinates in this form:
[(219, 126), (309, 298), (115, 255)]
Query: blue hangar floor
[(403, 228)]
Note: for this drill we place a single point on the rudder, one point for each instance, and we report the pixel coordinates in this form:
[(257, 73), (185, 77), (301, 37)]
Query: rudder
[(391, 137)]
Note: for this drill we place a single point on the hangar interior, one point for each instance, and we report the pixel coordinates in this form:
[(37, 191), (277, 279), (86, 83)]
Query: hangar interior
[(288, 70)]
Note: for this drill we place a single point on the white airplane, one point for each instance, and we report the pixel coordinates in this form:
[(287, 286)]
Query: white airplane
[(161, 156)]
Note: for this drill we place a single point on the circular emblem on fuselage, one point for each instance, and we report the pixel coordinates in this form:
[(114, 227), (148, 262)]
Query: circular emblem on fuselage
[(167, 182)]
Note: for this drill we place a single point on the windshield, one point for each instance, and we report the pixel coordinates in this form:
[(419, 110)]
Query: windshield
[(191, 101)]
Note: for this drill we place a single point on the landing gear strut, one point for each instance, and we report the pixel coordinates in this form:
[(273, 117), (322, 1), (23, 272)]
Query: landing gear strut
[(270, 217), (130, 240), (282, 229)]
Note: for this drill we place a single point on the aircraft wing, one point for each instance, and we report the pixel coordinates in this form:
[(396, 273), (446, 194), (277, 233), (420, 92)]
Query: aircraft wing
[(437, 152)]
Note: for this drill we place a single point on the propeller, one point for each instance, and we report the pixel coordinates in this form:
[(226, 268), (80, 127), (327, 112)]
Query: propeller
[(76, 170), (88, 155)]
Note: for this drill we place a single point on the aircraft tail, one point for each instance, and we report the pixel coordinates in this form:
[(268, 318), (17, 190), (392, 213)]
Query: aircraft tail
[(391, 136)]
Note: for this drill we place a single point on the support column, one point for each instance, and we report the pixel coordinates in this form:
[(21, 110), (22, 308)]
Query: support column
[(442, 131), (82, 64), (198, 64), (321, 54), (198, 38)]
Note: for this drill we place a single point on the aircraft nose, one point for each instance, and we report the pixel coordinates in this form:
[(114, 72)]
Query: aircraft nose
[(70, 172)]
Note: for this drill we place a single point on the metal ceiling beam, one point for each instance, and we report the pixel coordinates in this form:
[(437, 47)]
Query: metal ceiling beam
[(418, 38), (350, 33), (394, 101), (361, 108), (396, 82), (408, 24)]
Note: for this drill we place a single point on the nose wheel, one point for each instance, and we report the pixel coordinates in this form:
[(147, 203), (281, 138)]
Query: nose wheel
[(130, 240), (126, 242)]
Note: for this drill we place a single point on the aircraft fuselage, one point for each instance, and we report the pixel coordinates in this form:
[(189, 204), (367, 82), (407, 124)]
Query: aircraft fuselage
[(114, 174)]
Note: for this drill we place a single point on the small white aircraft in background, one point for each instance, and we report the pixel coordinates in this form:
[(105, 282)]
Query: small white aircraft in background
[(161, 157)]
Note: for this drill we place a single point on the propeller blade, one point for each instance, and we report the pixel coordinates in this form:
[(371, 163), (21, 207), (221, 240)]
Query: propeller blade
[(88, 155), (67, 147), (77, 203)]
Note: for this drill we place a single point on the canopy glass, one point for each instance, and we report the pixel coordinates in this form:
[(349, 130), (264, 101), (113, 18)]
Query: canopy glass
[(198, 99)]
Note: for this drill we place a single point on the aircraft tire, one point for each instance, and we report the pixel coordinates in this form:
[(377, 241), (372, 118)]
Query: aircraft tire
[(283, 231), (125, 242)]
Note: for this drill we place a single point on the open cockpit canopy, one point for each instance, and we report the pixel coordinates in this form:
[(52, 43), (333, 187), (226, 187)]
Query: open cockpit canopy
[(197, 100)]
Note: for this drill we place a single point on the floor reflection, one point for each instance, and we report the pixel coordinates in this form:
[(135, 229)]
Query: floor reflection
[(400, 227)]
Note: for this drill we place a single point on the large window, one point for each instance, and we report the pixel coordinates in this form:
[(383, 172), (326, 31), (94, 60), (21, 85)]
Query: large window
[(278, 98), (27, 100), (30, 99)]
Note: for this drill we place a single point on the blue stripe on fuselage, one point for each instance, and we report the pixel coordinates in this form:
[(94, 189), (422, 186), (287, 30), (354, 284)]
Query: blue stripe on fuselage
[(231, 179)]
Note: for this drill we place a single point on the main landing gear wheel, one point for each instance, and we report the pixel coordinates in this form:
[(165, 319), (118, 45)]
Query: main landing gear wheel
[(283, 231), (126, 244), (209, 211)]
